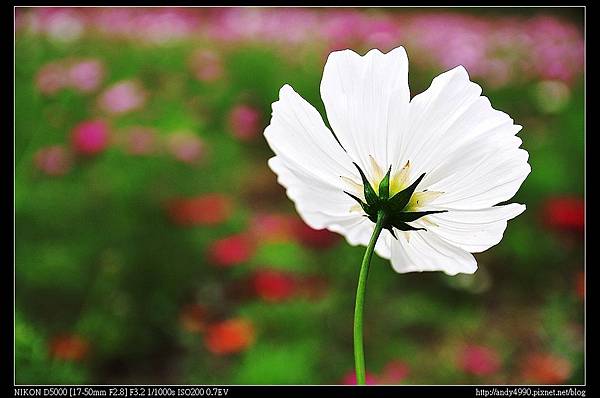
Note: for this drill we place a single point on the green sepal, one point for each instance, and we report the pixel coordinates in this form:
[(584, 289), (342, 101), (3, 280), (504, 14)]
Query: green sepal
[(415, 215), (399, 201), (391, 229), (360, 202), (384, 186), (370, 194), (402, 226)]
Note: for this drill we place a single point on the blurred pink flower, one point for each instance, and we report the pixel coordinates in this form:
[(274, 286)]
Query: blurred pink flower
[(91, 137), (51, 78), (394, 372), (61, 23), (140, 141), (350, 378), (479, 360), (244, 122), (343, 28), (207, 65), (186, 147), (53, 160), (86, 75), (122, 97)]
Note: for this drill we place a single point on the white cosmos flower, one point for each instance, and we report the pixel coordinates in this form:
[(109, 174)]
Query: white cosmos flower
[(468, 151)]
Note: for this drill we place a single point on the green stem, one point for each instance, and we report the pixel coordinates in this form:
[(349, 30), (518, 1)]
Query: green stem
[(359, 354)]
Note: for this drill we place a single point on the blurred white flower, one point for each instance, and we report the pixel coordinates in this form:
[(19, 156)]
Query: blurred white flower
[(447, 151)]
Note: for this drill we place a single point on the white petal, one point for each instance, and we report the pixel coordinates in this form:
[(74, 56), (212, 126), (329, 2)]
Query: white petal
[(366, 99), (309, 163), (427, 252), (468, 149), (474, 230)]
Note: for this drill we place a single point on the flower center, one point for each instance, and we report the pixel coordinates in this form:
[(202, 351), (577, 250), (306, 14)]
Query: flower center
[(392, 195)]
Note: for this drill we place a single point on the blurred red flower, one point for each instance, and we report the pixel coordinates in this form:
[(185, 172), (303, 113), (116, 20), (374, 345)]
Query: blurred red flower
[(273, 227), (193, 317), (69, 347), (273, 285), (564, 213), (545, 369), (91, 137), (394, 372), (479, 360), (230, 336), (350, 378), (244, 122), (232, 250), (208, 209), (53, 160), (315, 238)]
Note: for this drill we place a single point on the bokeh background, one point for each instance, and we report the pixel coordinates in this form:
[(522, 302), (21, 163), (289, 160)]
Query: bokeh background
[(153, 244)]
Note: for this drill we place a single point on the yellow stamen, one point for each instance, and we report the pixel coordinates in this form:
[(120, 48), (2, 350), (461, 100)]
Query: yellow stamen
[(356, 209), (355, 186), (420, 199), (377, 174), (399, 180)]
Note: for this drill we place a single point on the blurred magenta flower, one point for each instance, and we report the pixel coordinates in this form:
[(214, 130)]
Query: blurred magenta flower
[(207, 65), (140, 140), (230, 336), (86, 76), (90, 137), (273, 285), (394, 372), (54, 160), (186, 147), (232, 250), (564, 213), (479, 360), (545, 368), (193, 317), (51, 78), (207, 209), (245, 122), (69, 347), (122, 97), (350, 378)]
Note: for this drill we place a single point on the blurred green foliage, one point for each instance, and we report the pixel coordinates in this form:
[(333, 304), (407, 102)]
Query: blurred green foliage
[(98, 257)]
